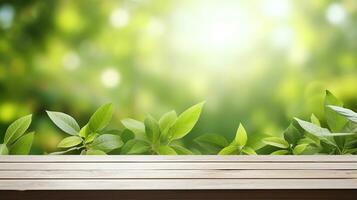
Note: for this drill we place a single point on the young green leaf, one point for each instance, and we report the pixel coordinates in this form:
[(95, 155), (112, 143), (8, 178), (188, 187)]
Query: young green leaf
[(186, 121), (84, 132), (241, 136), (17, 129), (180, 150), (135, 126), (335, 121), (69, 142), (249, 151), (94, 152), (90, 138), (299, 149), (315, 120), (66, 151), (212, 143), (3, 149), (280, 152), (167, 120), (100, 119), (349, 114), (23, 145), (152, 129), (166, 150), (230, 150), (134, 147), (65, 122), (276, 142), (106, 143)]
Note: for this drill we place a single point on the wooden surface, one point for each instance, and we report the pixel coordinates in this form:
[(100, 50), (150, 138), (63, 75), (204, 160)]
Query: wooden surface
[(182, 195), (177, 172)]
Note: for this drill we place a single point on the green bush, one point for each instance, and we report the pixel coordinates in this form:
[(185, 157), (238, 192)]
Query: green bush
[(162, 137)]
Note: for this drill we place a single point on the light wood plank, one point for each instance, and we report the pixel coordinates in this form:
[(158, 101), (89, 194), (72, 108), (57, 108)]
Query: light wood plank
[(197, 158), (181, 174), (178, 184), (178, 165)]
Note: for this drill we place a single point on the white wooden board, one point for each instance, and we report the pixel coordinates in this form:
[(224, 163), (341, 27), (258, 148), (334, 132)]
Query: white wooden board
[(177, 172)]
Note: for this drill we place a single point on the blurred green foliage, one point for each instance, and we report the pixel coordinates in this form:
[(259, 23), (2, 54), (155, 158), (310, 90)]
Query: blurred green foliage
[(256, 62)]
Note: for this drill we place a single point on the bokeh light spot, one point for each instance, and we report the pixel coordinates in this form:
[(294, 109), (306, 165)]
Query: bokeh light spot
[(71, 61), (119, 18), (7, 13), (110, 77), (336, 14)]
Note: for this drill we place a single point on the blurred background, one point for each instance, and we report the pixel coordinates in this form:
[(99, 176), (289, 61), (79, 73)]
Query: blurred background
[(257, 62)]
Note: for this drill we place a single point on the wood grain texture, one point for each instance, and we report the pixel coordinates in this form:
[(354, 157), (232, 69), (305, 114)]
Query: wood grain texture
[(177, 172), (182, 194)]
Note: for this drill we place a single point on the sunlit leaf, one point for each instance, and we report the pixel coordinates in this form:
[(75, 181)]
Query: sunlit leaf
[(106, 142), (4, 150), (349, 114), (241, 136), (135, 126), (100, 119), (152, 129), (23, 145), (186, 121), (69, 142), (17, 129), (276, 142), (166, 150)]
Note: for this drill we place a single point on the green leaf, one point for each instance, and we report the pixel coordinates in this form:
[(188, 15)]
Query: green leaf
[(152, 129), (312, 128), (230, 150), (249, 151), (335, 121), (3, 149), (134, 147), (180, 150), (23, 145), (84, 132), (167, 120), (165, 123), (90, 138), (17, 129), (66, 151), (65, 122), (241, 136), (127, 135), (95, 152), (292, 135), (299, 149), (70, 142), (107, 143), (212, 143), (166, 150), (280, 152), (186, 121), (349, 114), (276, 142), (100, 119), (135, 126), (315, 120)]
